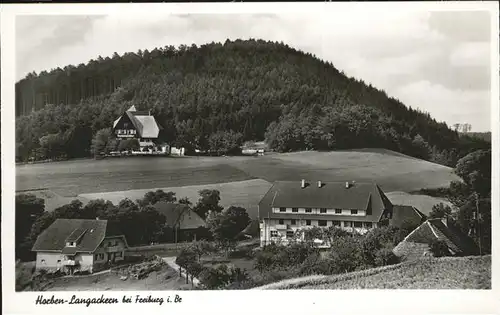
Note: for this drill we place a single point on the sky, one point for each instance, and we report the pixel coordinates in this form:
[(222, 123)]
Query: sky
[(438, 62)]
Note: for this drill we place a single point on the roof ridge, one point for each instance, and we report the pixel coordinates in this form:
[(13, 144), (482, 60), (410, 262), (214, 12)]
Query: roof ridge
[(432, 229)]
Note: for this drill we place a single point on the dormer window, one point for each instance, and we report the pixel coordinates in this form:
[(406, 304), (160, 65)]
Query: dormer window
[(71, 244)]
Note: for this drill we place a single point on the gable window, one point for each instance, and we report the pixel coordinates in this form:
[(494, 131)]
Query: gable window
[(322, 210), (322, 222), (338, 211), (295, 209), (336, 223), (281, 221), (282, 209), (308, 222), (274, 233), (358, 224), (293, 222), (308, 210), (354, 211), (125, 125)]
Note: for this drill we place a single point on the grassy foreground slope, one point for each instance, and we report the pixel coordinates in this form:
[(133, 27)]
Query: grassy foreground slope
[(429, 273)]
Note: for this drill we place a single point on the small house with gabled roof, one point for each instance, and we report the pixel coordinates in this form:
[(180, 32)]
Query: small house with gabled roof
[(137, 124), (289, 206), (73, 245)]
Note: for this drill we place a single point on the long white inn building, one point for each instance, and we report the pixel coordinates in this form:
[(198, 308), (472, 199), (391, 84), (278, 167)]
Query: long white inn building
[(292, 205)]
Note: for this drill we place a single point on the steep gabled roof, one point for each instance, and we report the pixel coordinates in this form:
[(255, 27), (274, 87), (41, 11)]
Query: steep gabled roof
[(361, 196), (432, 230), (406, 214), (54, 238), (145, 124), (179, 215)]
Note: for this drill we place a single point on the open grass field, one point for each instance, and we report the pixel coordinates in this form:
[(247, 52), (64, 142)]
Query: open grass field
[(423, 203), (430, 273), (246, 194), (186, 175)]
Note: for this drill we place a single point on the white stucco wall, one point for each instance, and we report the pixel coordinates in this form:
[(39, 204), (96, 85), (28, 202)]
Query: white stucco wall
[(49, 260)]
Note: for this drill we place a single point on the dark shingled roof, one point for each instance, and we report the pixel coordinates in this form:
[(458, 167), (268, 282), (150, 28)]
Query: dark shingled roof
[(55, 236), (252, 229), (406, 214), (435, 229), (179, 215), (361, 196)]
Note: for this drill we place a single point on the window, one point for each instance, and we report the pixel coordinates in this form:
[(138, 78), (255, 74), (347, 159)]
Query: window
[(43, 261), (290, 234), (295, 209), (322, 222), (119, 254), (293, 222), (281, 221), (58, 261), (368, 225), (125, 125), (282, 209), (109, 244), (347, 224), (336, 223), (354, 211), (308, 222), (274, 233), (99, 256), (308, 210), (358, 224), (338, 211), (322, 210)]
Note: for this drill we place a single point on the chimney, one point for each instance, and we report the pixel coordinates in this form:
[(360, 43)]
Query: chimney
[(347, 185), (320, 184), (303, 183)]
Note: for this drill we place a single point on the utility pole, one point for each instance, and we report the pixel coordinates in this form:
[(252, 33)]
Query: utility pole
[(478, 218)]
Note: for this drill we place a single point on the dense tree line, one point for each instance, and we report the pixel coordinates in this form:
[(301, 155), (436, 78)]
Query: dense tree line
[(227, 93)]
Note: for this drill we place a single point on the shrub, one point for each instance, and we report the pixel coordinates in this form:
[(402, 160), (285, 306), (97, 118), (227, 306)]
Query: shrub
[(385, 256), (439, 248)]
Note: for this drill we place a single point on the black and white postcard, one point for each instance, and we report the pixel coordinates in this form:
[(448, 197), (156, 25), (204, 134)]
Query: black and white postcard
[(237, 157)]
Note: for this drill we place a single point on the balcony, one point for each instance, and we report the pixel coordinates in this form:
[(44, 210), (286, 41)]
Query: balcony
[(281, 226), (111, 249)]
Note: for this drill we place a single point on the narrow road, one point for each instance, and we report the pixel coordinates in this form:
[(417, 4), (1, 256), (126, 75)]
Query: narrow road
[(171, 262)]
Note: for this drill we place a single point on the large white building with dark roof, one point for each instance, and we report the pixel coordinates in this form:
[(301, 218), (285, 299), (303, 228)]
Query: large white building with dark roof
[(292, 205)]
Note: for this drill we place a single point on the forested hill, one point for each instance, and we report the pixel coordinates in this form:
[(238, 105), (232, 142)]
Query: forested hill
[(219, 93)]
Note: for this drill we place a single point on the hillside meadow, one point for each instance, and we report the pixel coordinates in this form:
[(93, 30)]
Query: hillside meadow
[(242, 180), (472, 272)]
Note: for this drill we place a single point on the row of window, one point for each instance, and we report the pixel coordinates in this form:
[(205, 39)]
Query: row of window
[(356, 224), (321, 210), (126, 132)]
